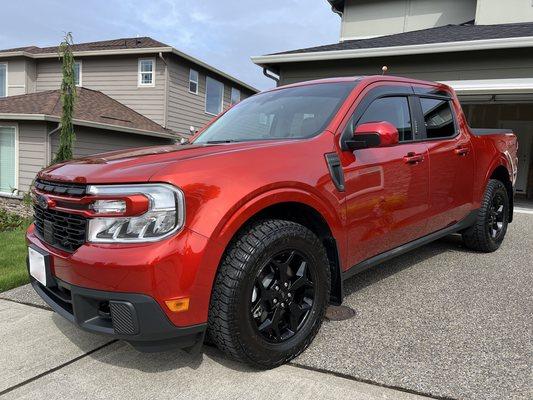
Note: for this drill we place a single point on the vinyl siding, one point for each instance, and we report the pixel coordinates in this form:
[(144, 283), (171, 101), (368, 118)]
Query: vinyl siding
[(186, 109), (494, 64), (116, 77), (16, 76), (92, 141), (32, 152)]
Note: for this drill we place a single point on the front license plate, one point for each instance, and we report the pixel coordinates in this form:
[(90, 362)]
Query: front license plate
[(37, 265)]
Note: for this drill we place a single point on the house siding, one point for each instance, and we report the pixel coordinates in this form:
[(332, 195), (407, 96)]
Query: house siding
[(117, 77), (92, 141), (494, 64), (186, 109)]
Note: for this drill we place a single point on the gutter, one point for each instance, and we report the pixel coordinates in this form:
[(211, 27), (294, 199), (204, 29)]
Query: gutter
[(91, 124), (446, 47), (167, 84)]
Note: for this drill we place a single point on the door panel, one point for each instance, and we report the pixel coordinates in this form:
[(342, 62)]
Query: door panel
[(386, 199)]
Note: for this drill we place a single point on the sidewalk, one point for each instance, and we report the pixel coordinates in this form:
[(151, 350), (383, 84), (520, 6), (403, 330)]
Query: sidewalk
[(44, 357)]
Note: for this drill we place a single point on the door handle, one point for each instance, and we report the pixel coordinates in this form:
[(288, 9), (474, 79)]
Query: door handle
[(413, 158), (461, 151)]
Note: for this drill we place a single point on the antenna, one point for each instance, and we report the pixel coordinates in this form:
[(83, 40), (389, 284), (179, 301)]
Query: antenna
[(384, 70)]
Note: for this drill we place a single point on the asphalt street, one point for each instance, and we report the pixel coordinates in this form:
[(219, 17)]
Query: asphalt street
[(442, 321)]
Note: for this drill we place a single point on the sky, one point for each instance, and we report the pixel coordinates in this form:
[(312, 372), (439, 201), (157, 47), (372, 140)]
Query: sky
[(223, 33)]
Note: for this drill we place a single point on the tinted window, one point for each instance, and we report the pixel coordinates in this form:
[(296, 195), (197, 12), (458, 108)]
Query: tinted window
[(438, 118), (391, 109), (291, 113)]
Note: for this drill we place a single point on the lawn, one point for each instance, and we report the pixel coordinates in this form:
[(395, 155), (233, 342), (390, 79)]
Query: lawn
[(13, 271)]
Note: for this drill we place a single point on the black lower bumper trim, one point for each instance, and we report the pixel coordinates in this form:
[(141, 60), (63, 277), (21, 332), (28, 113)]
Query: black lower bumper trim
[(136, 318)]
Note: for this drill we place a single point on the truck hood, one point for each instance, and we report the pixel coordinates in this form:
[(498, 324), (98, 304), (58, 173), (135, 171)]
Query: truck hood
[(136, 165)]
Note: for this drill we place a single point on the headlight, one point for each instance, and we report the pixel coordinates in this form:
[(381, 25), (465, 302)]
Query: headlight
[(165, 215)]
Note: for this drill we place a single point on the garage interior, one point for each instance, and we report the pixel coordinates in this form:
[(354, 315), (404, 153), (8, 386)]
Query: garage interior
[(511, 111)]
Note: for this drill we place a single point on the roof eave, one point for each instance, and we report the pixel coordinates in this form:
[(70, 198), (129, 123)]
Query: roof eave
[(444, 47), (81, 122)]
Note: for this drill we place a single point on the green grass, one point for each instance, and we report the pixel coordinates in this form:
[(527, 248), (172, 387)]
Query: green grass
[(13, 251)]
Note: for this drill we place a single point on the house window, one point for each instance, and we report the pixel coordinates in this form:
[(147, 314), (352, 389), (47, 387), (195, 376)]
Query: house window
[(3, 80), (146, 72), (8, 159), (214, 95), (235, 96), (77, 73), (193, 81)]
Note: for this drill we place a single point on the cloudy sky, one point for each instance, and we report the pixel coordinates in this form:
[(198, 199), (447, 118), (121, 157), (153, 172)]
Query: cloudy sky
[(223, 33)]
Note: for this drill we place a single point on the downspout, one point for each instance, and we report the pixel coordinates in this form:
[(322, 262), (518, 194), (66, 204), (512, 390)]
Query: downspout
[(275, 78), (49, 144), (167, 83)]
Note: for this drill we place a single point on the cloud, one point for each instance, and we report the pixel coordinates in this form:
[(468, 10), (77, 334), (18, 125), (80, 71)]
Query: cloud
[(222, 33)]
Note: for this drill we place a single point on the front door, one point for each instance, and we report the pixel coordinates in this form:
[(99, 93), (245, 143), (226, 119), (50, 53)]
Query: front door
[(387, 189)]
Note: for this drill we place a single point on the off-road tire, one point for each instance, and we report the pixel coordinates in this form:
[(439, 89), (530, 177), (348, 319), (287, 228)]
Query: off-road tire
[(230, 326), (478, 237)]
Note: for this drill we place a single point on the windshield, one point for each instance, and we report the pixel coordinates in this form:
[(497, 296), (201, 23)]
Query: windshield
[(292, 113)]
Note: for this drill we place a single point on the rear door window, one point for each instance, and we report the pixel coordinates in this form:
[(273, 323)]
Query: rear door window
[(438, 118)]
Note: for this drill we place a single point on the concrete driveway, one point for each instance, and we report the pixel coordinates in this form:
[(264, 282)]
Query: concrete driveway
[(441, 322)]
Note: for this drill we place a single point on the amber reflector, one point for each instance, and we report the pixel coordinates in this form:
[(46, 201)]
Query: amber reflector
[(178, 305)]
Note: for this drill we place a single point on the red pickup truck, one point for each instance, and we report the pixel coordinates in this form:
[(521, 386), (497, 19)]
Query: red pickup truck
[(247, 232)]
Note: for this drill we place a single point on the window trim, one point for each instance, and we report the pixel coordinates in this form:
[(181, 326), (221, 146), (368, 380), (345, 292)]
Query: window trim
[(222, 97), (17, 160), (139, 73), (197, 81), (80, 84), (231, 95), (7, 78)]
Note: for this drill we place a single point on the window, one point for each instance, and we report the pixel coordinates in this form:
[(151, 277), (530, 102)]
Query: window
[(235, 96), (3, 80), (290, 113), (193, 81), (214, 95), (77, 73), (8, 159), (438, 118), (146, 72), (391, 109)]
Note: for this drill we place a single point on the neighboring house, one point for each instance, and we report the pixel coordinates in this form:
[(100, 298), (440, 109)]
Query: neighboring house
[(482, 48), (173, 89), (150, 79), (29, 132)]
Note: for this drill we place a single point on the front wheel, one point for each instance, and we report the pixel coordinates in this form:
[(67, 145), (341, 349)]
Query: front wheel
[(489, 229), (270, 293)]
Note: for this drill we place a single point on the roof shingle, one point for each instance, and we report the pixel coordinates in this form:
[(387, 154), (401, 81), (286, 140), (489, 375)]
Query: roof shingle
[(441, 34), (91, 105), (114, 44)]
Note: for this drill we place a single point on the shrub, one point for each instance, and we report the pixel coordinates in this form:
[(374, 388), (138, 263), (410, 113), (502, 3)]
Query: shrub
[(10, 221)]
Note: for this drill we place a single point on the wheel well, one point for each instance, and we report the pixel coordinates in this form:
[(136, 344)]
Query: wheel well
[(314, 221), (502, 174)]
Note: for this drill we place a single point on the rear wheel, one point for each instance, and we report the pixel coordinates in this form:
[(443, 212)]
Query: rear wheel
[(490, 227), (270, 293)]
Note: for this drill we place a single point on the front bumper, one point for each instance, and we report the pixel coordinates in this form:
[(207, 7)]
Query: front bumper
[(136, 318)]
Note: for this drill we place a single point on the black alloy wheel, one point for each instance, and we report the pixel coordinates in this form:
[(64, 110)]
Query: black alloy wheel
[(282, 296)]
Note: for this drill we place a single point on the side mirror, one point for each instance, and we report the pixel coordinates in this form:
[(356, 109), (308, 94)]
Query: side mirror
[(373, 134)]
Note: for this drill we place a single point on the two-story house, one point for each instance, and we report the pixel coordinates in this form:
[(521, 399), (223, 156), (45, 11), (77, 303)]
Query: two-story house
[(132, 92), (482, 48)]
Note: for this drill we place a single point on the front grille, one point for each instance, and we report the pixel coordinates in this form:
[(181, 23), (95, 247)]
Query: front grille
[(62, 188), (63, 230)]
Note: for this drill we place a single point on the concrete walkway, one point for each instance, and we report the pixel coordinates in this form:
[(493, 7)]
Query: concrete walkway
[(44, 357)]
